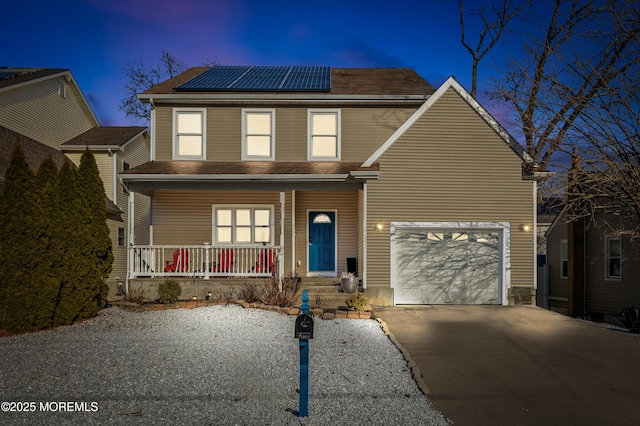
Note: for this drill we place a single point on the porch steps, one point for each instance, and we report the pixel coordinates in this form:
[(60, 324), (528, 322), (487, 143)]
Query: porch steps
[(327, 289)]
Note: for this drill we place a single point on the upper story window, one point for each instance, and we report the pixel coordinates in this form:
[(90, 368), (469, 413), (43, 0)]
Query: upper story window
[(564, 259), (258, 134), (189, 134), (323, 134), (613, 258)]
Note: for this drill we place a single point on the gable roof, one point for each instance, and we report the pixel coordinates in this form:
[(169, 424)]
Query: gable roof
[(451, 83), (15, 76), (12, 78), (402, 82), (104, 138)]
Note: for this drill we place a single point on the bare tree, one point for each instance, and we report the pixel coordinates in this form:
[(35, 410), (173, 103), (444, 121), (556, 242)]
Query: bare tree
[(489, 34), (141, 77), (582, 52)]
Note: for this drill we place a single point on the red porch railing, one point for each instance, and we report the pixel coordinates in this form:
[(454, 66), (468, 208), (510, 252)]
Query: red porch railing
[(203, 261)]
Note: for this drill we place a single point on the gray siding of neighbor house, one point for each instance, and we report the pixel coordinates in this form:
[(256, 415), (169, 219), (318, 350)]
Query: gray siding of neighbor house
[(609, 296), (363, 130), (557, 284), (59, 119), (450, 166)]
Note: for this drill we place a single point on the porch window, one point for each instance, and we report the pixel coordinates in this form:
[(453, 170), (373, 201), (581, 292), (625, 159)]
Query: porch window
[(189, 134), (120, 237), (243, 225), (323, 135), (564, 259), (258, 134), (613, 258)]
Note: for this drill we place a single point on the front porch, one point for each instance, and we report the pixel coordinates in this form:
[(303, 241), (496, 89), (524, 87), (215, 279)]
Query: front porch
[(205, 261)]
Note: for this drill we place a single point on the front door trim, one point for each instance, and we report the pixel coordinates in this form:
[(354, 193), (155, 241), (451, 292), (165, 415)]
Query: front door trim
[(335, 248)]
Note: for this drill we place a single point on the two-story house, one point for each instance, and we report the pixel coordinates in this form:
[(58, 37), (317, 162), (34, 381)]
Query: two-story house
[(46, 112), (317, 171)]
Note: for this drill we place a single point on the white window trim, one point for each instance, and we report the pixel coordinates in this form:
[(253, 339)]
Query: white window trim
[(234, 207), (607, 277), (174, 152), (310, 113), (562, 259), (247, 157)]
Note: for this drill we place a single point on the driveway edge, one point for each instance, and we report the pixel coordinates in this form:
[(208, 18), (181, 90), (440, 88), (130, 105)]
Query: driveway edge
[(415, 370)]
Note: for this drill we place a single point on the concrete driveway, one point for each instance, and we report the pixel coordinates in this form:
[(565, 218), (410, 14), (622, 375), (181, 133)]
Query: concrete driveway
[(520, 365)]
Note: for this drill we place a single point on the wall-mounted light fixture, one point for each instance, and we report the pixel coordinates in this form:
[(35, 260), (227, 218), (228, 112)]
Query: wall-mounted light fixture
[(525, 227), (194, 297), (378, 227), (208, 296)]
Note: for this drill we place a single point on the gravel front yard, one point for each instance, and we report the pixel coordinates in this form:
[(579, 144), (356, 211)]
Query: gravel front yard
[(213, 365)]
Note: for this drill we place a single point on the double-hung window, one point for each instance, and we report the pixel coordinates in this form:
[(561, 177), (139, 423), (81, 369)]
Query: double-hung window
[(323, 134), (258, 134), (243, 225), (613, 258), (189, 134), (564, 259)]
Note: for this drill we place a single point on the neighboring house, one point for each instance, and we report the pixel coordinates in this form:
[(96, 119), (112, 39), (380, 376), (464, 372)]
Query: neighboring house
[(593, 266), (45, 111), (317, 170)]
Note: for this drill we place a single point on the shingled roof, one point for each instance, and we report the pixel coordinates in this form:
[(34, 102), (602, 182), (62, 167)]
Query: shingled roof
[(104, 137), (344, 81), (246, 168), (14, 76)]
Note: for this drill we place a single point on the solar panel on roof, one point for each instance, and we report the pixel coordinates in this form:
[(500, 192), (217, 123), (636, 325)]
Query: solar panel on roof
[(261, 78)]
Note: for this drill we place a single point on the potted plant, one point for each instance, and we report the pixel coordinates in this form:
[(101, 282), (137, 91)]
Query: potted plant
[(349, 282)]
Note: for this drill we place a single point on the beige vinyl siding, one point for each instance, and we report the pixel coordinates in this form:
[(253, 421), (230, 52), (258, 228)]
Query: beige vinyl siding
[(610, 296), (450, 166), (136, 152), (105, 167), (185, 217), (38, 112), (557, 285), (346, 205), (363, 131)]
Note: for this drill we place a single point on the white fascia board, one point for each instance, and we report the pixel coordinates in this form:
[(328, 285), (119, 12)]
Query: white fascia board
[(365, 174), (293, 177), (451, 83), (137, 135)]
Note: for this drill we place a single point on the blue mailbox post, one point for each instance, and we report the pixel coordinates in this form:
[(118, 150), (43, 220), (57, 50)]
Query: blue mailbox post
[(304, 332)]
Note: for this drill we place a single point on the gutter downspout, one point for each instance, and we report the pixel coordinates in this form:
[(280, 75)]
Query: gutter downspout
[(114, 173), (152, 131)]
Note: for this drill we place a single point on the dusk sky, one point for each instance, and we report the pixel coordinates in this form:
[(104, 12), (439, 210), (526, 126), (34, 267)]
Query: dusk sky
[(96, 38)]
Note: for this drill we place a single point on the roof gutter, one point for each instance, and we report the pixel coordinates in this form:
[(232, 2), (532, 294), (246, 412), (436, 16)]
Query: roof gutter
[(234, 177)]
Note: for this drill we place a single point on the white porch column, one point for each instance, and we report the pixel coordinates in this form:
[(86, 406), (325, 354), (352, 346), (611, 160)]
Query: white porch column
[(130, 237), (280, 269), (364, 234)]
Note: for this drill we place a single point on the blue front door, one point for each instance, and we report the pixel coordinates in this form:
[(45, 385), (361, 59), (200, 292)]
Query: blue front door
[(322, 241)]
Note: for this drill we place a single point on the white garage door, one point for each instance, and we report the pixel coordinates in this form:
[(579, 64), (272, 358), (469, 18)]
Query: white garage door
[(445, 266)]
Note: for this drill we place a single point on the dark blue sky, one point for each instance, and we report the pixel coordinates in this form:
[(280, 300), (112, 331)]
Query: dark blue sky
[(96, 38)]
